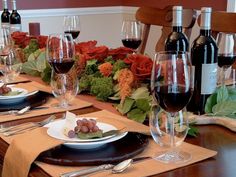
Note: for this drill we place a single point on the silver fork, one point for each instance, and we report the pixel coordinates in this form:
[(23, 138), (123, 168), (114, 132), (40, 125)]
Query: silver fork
[(31, 127)]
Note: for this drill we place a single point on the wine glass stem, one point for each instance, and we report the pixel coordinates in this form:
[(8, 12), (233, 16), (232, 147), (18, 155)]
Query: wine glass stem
[(223, 76), (172, 129)]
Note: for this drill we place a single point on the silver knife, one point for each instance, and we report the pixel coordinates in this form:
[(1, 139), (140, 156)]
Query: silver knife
[(98, 168), (15, 111)]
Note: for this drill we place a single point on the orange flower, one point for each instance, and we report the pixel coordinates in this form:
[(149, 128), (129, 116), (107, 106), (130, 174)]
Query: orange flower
[(105, 69)]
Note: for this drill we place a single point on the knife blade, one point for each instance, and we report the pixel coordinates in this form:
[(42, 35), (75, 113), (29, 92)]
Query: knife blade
[(99, 168)]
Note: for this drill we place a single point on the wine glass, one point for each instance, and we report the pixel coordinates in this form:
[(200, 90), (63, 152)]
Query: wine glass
[(171, 86), (60, 53), (10, 65), (72, 26), (64, 87), (131, 32), (226, 53)]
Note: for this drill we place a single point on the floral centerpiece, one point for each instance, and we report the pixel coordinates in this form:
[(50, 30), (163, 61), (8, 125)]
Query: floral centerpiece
[(115, 75)]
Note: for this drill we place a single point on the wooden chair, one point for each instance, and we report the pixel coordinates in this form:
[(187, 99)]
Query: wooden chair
[(162, 17), (222, 21)]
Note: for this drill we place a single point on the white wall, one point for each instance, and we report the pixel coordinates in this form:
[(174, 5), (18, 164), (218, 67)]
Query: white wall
[(101, 23)]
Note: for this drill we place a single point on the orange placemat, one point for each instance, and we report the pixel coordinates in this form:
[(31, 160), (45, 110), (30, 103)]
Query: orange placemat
[(151, 166), (33, 86)]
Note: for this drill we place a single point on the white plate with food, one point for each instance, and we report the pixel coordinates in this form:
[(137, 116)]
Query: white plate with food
[(16, 95), (58, 130)]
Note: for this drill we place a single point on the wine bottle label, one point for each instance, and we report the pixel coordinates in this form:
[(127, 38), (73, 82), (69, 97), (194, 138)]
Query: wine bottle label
[(15, 27), (209, 78)]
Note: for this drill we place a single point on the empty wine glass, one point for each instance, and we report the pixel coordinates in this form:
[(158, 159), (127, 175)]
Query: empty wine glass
[(131, 33), (226, 53), (10, 65), (171, 86), (64, 88), (72, 26)]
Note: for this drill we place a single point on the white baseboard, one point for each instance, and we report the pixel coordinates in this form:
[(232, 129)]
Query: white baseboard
[(76, 11)]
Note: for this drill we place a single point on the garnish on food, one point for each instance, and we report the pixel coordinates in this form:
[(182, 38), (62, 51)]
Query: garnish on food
[(81, 128), (4, 90)]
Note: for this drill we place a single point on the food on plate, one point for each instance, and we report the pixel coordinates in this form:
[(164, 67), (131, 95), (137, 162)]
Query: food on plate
[(82, 128), (68, 129), (87, 129), (4, 90)]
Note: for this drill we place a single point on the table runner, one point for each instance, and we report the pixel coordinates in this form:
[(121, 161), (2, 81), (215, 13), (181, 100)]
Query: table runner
[(151, 166), (33, 86)]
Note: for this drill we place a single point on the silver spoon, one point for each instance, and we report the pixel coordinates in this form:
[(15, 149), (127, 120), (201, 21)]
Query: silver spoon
[(120, 167)]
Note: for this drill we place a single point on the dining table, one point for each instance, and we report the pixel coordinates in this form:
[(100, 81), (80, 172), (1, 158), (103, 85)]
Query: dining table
[(214, 137)]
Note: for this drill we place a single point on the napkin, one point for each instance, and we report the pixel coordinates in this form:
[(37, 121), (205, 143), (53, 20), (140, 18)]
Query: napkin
[(24, 149)]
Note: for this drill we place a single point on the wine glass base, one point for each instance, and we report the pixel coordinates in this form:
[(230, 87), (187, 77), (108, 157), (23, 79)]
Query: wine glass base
[(173, 157), (60, 106)]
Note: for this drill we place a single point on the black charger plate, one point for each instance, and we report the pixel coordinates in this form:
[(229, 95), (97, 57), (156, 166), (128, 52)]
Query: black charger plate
[(127, 147), (35, 100)]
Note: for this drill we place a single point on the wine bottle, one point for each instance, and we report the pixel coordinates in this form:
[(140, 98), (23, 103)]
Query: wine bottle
[(177, 40), (15, 18), (204, 60), (5, 17)]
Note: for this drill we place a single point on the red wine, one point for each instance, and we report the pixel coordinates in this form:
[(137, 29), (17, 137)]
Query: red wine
[(176, 40), (62, 67), (74, 33), (131, 43), (204, 59), (15, 18), (5, 16), (172, 101), (226, 60)]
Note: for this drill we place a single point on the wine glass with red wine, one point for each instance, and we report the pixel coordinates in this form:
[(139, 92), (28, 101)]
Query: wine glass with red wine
[(60, 53), (131, 33), (226, 52), (72, 26), (171, 87)]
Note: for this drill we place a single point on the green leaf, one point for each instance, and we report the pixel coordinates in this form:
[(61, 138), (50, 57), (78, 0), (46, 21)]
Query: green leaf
[(211, 101), (222, 94), (137, 115), (232, 93), (193, 131), (141, 92), (143, 104), (224, 108), (30, 67), (41, 62), (46, 74), (126, 106)]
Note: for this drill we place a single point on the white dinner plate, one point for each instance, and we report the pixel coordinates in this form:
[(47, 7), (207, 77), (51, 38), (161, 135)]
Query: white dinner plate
[(55, 130), (4, 100)]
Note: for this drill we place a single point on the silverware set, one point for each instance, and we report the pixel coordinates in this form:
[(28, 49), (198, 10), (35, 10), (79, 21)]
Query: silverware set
[(118, 168), (13, 130)]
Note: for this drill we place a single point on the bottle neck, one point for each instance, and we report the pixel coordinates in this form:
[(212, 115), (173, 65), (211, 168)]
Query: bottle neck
[(177, 18), (4, 2), (14, 5), (177, 29), (205, 20), (205, 32)]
